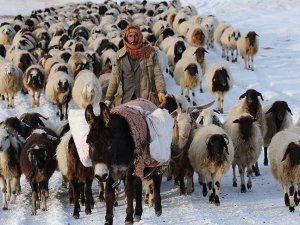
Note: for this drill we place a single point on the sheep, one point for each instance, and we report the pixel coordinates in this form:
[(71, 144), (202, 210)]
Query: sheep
[(196, 36), (210, 23), (229, 40), (198, 54), (58, 41), (7, 34), (167, 32), (2, 51), (58, 90), (159, 26), (219, 81), (211, 154), (10, 81), (285, 164), (218, 33), (207, 117), (104, 82), (75, 173), (107, 59), (178, 19), (278, 117), (186, 74), (248, 46), (247, 141), (74, 46), (38, 163), (162, 60), (249, 103), (10, 172), (79, 61), (87, 89), (34, 81)]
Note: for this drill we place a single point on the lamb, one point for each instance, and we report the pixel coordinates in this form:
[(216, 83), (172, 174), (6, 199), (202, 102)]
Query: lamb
[(58, 90), (285, 164), (7, 34), (247, 141), (219, 81), (186, 74), (228, 41), (249, 103), (198, 54), (87, 89), (211, 154), (278, 117), (9, 166), (38, 163), (10, 81), (248, 46), (34, 81), (75, 173)]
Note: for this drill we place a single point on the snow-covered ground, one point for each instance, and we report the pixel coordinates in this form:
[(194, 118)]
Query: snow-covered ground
[(276, 76)]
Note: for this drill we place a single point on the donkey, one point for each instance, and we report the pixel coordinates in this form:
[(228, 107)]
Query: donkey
[(112, 151)]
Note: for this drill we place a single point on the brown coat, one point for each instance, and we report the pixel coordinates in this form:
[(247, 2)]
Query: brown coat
[(151, 78)]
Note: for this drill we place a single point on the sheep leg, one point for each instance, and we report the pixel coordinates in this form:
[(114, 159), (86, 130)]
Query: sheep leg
[(234, 180), (66, 110), (76, 194), (8, 186), (4, 192), (232, 56), (211, 197), (61, 115), (227, 54), (187, 95), (217, 184), (286, 195), (38, 96), (252, 68), (33, 100), (255, 169), (266, 161), (291, 198), (11, 100), (139, 199), (14, 185), (6, 100), (181, 183), (249, 183), (201, 89), (223, 52), (189, 181), (193, 94), (129, 193), (236, 55), (34, 197), (157, 198), (242, 176), (88, 195)]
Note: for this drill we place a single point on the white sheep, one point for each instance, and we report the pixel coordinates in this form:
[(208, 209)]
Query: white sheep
[(58, 90), (219, 81), (10, 81), (207, 117), (285, 164), (211, 154), (247, 140), (7, 34), (228, 41), (218, 33), (278, 117), (210, 23), (87, 89), (248, 46), (187, 76)]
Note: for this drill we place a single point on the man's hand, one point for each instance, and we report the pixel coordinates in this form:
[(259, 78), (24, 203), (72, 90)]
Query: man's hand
[(161, 100), (108, 103)]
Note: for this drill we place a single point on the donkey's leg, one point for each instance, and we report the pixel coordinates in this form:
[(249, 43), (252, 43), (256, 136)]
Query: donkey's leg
[(88, 196), (4, 192), (129, 192), (157, 199), (138, 199), (76, 194)]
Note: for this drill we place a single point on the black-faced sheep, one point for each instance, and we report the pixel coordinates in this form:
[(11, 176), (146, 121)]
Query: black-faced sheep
[(211, 154), (247, 141), (278, 117), (34, 81), (219, 81), (248, 46), (198, 54), (285, 164)]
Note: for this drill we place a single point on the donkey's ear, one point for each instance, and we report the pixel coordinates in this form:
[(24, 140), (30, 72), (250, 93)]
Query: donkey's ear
[(105, 114), (89, 114)]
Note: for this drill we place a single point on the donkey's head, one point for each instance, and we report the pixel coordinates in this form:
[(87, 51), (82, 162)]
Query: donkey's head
[(99, 140)]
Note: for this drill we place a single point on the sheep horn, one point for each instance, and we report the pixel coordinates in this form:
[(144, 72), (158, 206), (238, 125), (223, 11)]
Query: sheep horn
[(200, 107), (269, 111)]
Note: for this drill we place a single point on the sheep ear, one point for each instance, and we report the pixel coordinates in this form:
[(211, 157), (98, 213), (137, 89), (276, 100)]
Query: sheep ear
[(242, 96), (289, 110), (205, 50), (174, 113), (89, 115), (269, 111), (236, 121), (260, 95), (286, 153), (104, 114), (256, 34), (194, 124)]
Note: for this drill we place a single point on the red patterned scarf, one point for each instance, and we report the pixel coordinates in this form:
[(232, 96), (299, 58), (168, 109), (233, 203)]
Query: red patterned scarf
[(139, 50)]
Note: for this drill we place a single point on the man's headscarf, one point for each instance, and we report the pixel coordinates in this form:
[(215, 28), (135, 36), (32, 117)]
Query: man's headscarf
[(139, 50)]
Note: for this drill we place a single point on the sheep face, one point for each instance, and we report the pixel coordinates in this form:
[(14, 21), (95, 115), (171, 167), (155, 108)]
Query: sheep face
[(200, 54), (245, 125), (4, 140), (293, 150), (183, 126), (216, 147), (251, 36), (198, 37), (35, 78), (63, 86), (192, 70), (279, 109), (37, 156), (7, 33), (251, 96), (235, 35), (206, 117), (179, 48), (10, 69), (25, 61), (167, 32), (220, 80)]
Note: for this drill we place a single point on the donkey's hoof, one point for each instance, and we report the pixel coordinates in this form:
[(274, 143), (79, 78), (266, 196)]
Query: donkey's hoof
[(158, 213)]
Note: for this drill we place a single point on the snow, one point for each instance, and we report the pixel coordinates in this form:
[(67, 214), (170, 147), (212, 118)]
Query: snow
[(276, 76)]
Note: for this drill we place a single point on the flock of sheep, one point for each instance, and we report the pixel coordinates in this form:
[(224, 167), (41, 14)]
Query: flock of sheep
[(67, 53)]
